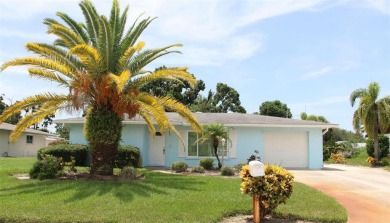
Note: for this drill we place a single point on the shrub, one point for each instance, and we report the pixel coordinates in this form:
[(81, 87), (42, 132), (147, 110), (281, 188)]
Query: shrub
[(128, 156), (385, 161), (325, 153), (179, 167), (47, 168), (274, 188), (197, 169), (383, 149), (207, 163), (227, 171), (128, 173), (239, 166), (337, 158), (66, 151), (58, 141), (371, 160)]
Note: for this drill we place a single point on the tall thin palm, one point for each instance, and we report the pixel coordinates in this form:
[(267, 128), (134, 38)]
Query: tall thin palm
[(215, 133), (102, 65), (374, 114)]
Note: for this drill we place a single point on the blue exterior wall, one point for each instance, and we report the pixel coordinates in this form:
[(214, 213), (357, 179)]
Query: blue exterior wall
[(249, 139)]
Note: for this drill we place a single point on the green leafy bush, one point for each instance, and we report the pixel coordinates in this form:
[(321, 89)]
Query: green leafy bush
[(49, 167), (128, 156), (274, 188), (207, 163), (385, 161), (325, 153), (66, 151), (227, 171), (383, 149), (197, 169), (58, 141), (239, 166), (179, 167), (128, 173)]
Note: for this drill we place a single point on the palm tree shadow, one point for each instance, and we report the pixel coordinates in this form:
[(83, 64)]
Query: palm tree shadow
[(154, 183)]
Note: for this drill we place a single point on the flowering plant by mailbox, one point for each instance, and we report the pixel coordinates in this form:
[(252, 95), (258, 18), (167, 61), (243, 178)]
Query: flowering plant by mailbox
[(274, 188)]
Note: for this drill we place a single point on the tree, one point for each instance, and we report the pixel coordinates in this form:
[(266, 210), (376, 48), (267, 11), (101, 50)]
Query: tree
[(13, 119), (374, 114), (226, 99), (315, 118), (103, 66), (62, 131), (275, 108), (180, 91), (215, 133)]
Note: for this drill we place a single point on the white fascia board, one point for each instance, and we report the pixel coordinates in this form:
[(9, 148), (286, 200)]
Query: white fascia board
[(277, 126)]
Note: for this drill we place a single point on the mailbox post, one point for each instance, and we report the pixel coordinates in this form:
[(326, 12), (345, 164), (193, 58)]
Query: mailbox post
[(256, 169)]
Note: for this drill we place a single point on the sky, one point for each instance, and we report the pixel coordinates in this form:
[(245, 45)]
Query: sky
[(310, 55)]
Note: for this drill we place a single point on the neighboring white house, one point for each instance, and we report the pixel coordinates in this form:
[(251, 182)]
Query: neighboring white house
[(27, 144), (282, 141)]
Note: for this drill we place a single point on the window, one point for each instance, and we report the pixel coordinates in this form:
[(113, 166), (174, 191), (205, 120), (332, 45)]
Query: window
[(29, 139), (203, 149)]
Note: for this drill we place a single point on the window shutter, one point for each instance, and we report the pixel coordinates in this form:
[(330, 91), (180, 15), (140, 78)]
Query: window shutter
[(182, 148), (233, 147)]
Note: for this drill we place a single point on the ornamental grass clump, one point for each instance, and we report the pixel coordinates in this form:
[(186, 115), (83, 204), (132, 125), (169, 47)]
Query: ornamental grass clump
[(274, 188)]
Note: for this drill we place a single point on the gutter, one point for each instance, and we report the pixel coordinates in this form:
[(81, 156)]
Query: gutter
[(326, 130)]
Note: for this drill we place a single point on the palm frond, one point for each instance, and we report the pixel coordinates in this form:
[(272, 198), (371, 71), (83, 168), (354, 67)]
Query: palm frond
[(74, 26), (92, 21), (148, 103), (47, 75), (121, 80), (69, 37), (40, 62), (182, 110), (106, 43), (89, 56), (55, 53), (141, 60), (31, 102), (146, 116), (384, 114), (175, 74), (131, 37), (357, 94), (32, 118), (125, 58)]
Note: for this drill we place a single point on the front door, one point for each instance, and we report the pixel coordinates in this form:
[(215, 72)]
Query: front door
[(157, 150)]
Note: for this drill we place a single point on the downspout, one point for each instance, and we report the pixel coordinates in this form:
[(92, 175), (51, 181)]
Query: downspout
[(326, 130)]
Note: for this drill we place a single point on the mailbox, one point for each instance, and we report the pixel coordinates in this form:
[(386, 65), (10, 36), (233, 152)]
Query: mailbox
[(256, 168)]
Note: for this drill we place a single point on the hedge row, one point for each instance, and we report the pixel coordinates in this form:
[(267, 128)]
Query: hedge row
[(127, 155), (66, 151)]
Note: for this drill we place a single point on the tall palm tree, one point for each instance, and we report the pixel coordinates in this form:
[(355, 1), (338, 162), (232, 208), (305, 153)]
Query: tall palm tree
[(374, 114), (102, 65), (215, 133)]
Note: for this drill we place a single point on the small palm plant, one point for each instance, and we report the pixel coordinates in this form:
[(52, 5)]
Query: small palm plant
[(103, 67), (216, 134)]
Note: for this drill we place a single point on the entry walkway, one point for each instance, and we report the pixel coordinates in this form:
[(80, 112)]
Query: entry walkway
[(363, 191)]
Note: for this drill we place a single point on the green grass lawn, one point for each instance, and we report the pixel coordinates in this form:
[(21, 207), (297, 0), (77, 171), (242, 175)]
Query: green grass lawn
[(158, 198)]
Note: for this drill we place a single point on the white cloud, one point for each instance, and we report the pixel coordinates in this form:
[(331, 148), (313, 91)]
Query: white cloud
[(317, 73)]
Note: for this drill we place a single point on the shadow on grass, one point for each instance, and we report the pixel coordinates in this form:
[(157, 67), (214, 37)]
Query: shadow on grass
[(76, 190)]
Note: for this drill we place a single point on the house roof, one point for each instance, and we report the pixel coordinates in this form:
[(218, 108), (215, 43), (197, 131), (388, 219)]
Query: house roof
[(228, 119), (10, 127)]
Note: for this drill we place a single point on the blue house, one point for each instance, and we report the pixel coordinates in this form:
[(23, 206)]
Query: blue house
[(281, 141)]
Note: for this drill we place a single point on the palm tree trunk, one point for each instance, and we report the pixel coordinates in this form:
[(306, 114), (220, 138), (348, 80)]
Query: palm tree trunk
[(103, 131), (376, 144), (215, 145)]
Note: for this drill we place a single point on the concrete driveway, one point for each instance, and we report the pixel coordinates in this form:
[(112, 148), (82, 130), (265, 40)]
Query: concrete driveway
[(363, 191)]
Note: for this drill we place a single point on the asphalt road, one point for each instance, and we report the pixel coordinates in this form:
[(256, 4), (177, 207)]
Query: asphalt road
[(363, 191)]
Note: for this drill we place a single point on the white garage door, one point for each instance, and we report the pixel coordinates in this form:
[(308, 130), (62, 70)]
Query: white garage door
[(287, 149)]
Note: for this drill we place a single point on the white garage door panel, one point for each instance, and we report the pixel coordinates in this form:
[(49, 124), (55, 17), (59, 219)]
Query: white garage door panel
[(287, 149)]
